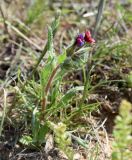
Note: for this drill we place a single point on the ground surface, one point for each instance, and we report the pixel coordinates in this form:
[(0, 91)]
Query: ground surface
[(21, 43)]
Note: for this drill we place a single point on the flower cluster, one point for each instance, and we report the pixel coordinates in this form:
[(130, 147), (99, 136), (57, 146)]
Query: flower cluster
[(81, 39)]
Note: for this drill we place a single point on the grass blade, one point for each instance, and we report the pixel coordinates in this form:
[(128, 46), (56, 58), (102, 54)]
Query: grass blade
[(4, 112), (99, 17)]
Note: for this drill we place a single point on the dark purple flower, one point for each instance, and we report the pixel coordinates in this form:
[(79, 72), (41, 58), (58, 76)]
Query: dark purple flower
[(80, 40)]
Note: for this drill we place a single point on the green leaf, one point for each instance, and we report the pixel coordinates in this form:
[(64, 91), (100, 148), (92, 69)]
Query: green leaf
[(50, 49), (64, 101), (44, 75), (53, 29), (39, 131), (55, 23), (42, 133), (55, 91), (26, 140), (50, 40), (62, 57), (35, 124)]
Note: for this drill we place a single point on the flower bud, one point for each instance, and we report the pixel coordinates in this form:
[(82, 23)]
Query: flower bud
[(80, 40), (88, 37)]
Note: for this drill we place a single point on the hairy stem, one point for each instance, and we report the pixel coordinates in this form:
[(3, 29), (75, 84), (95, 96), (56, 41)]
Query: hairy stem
[(47, 88)]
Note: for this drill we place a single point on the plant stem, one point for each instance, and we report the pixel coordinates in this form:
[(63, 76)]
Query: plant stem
[(47, 88), (51, 79)]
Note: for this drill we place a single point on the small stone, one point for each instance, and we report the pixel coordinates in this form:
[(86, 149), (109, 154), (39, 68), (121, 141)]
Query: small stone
[(77, 156)]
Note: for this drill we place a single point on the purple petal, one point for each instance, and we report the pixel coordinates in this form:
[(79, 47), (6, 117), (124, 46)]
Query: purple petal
[(80, 36), (79, 42)]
